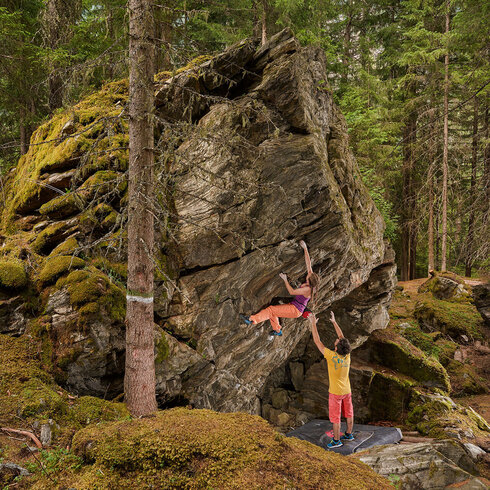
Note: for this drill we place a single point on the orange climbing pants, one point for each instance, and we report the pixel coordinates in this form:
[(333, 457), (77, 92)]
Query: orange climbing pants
[(273, 313)]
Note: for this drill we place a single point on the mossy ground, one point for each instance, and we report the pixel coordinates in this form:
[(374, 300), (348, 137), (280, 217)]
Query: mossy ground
[(181, 448)]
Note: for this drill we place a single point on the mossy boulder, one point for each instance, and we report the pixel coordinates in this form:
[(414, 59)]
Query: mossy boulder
[(389, 396), (388, 348), (92, 292), (193, 449), (447, 286), (29, 394), (450, 318), (12, 274), (52, 236), (57, 266), (438, 416), (63, 206)]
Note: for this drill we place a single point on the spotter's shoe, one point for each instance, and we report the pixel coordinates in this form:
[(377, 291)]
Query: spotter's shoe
[(246, 319), (333, 443), (347, 437)]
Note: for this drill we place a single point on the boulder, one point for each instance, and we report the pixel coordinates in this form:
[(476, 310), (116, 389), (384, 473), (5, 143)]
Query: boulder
[(446, 286), (481, 297), (418, 466), (259, 159)]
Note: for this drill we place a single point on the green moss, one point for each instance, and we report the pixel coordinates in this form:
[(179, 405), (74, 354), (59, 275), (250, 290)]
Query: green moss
[(451, 318), (431, 413), (12, 274), (57, 266), (116, 271), (194, 449), (62, 206), (422, 340), (162, 349), (394, 406), (48, 236), (41, 399), (93, 291), (89, 410), (101, 183), (68, 247), (395, 352)]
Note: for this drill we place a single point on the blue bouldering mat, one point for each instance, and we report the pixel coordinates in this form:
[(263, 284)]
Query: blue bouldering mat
[(365, 436)]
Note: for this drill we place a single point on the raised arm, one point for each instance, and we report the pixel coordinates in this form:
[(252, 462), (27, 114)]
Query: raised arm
[(340, 335), (307, 257), (291, 290), (314, 331)]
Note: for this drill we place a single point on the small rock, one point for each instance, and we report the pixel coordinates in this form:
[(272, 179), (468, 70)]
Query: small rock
[(280, 399), (474, 451), (302, 418), (458, 356), (404, 326), (7, 469), (46, 433), (283, 419), (465, 338)]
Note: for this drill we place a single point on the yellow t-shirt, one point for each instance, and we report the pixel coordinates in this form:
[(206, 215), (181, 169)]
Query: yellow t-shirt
[(338, 372)]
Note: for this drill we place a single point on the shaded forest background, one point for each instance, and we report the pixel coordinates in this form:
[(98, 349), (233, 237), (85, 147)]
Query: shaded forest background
[(412, 79)]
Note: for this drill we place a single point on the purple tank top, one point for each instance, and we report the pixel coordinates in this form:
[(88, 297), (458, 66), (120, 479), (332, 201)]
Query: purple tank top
[(300, 302)]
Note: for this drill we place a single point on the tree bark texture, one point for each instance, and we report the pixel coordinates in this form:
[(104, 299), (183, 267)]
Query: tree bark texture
[(409, 229), (139, 380), (57, 19), (264, 21), (471, 218), (445, 169)]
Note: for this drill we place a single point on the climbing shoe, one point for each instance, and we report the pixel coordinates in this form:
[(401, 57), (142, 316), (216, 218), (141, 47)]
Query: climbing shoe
[(246, 319), (347, 437), (334, 443), (277, 334)]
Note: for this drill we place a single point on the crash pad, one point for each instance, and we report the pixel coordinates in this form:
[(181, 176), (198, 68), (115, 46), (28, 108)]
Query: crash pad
[(365, 436)]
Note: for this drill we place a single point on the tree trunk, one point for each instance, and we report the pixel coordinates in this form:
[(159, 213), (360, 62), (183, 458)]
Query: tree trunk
[(445, 149), (409, 234), (471, 219), (264, 21), (23, 132), (57, 19), (139, 380), (430, 178), (346, 55)]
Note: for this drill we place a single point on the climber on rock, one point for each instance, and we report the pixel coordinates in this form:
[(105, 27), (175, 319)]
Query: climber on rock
[(296, 308), (340, 398)]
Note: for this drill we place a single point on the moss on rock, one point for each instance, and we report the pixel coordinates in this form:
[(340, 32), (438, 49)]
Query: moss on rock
[(438, 416), (62, 206), (451, 318), (90, 290), (182, 448), (68, 247), (12, 274), (57, 266), (393, 351)]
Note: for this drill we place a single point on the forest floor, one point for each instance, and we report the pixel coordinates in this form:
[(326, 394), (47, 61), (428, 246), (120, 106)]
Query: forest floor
[(477, 355)]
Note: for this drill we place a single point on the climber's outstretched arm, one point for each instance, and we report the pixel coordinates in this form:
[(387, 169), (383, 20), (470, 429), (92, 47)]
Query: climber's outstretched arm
[(340, 335), (307, 257), (314, 331), (291, 290)]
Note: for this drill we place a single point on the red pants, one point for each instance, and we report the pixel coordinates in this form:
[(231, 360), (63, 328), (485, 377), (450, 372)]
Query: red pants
[(273, 313), (338, 404)]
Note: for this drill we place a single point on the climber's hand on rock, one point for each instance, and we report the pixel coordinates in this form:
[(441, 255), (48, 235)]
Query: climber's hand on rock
[(283, 276), (303, 244), (332, 316)]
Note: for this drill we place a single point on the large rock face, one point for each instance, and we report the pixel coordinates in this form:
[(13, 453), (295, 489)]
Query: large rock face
[(255, 158)]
